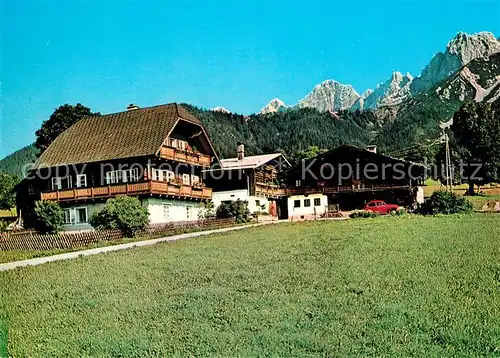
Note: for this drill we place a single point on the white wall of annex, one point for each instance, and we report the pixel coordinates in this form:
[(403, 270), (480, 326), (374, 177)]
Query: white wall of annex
[(306, 211), (177, 210)]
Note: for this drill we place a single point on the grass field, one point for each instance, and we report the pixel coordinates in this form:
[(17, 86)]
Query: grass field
[(389, 286)]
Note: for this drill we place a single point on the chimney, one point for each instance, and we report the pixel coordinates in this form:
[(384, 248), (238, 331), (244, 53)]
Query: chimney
[(372, 148), (240, 150), (132, 107)]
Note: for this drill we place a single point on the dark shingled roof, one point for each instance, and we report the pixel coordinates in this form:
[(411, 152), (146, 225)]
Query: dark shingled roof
[(133, 133)]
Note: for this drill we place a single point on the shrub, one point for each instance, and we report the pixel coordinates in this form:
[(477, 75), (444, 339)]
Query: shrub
[(444, 202), (400, 212), (124, 213), (206, 210), (3, 225), (235, 209), (363, 214), (49, 217)]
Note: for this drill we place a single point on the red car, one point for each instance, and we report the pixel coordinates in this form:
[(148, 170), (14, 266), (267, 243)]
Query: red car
[(381, 207)]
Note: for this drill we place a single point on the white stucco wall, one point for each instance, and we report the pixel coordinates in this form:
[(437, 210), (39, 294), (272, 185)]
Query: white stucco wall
[(177, 210), (420, 195), (242, 194), (306, 212), (230, 195)]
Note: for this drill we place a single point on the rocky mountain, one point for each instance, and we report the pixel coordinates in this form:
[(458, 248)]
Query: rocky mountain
[(416, 120), (274, 106), (391, 92), (479, 80), (462, 49), (330, 95), (360, 102)]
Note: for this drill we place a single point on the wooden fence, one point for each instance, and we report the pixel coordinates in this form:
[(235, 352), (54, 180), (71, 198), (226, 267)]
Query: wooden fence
[(39, 242), (180, 226), (32, 241)]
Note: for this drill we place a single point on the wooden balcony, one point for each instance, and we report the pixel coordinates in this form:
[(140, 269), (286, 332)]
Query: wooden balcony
[(345, 189), (269, 190), (180, 155), (146, 188)]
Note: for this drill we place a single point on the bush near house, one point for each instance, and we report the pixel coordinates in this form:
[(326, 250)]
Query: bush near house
[(124, 213), (207, 210), (3, 225), (444, 202), (49, 217), (235, 209), (363, 214)]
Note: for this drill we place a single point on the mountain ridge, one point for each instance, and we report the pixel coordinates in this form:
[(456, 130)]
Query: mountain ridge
[(331, 95)]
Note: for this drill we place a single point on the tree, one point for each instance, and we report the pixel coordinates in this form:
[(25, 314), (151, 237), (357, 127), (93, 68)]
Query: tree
[(62, 118), (311, 152), (49, 217), (476, 137), (444, 202), (7, 197), (124, 213)]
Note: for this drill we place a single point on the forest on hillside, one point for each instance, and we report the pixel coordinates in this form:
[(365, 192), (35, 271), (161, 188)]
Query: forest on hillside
[(14, 163)]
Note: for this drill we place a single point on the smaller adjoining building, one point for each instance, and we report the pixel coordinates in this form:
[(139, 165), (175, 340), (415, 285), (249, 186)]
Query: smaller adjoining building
[(346, 178), (253, 179)]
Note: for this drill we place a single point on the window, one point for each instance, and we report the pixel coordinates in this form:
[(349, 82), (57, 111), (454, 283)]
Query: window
[(81, 215), (166, 211), (186, 179), (157, 175), (307, 203), (257, 203), (133, 175), (317, 202), (75, 216), (189, 212), (195, 179), (296, 203), (56, 183), (168, 176), (59, 183), (81, 180), (163, 175), (122, 176), (182, 144), (67, 216), (298, 182), (173, 142)]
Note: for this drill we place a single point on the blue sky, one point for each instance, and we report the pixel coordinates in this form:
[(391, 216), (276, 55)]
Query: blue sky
[(106, 54)]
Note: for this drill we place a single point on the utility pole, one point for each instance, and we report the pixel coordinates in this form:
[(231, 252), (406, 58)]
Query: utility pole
[(448, 169)]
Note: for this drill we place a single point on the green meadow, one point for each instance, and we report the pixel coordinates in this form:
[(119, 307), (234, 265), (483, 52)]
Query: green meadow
[(388, 286)]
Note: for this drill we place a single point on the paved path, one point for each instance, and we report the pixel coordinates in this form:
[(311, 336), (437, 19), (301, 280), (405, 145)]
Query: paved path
[(72, 255)]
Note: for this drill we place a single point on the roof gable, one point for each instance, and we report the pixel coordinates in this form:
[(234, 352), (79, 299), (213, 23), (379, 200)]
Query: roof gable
[(253, 161), (132, 133)]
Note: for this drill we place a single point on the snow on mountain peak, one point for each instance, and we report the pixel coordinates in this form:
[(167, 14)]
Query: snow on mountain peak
[(330, 95), (273, 106), (220, 109)]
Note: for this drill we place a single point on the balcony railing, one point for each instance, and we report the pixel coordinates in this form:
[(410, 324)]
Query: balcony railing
[(269, 190), (184, 156), (344, 189), (151, 187)]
